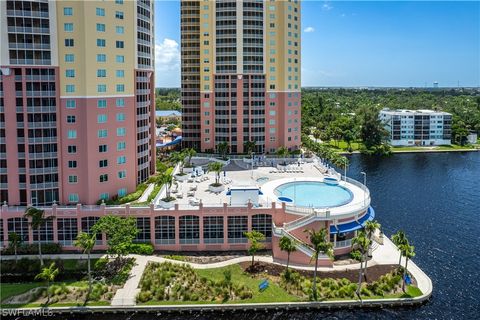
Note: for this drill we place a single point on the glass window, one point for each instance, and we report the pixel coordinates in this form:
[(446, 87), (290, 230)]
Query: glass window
[(88, 223), (121, 145), (263, 223), (189, 229), (122, 174), (120, 73), (70, 88), (101, 88), (71, 104), (68, 11), (45, 232), (102, 103), (72, 164), (100, 27), (72, 149), (69, 57), (120, 88), (67, 230), (143, 226), (121, 132), (104, 196), (103, 163), (119, 44), (118, 1), (101, 42), (122, 192), (71, 119), (101, 118), (120, 59), (119, 15), (165, 230), (70, 73), (100, 12), (73, 197), (69, 43), (72, 134), (101, 73), (119, 30), (68, 27), (101, 57), (102, 133), (19, 226), (121, 160), (102, 148), (120, 102), (72, 179), (121, 117), (103, 178)]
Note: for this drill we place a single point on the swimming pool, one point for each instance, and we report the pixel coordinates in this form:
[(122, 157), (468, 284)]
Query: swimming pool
[(314, 194)]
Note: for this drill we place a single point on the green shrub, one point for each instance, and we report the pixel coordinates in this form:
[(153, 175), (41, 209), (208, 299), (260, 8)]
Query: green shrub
[(144, 296), (141, 248), (356, 255), (32, 248)]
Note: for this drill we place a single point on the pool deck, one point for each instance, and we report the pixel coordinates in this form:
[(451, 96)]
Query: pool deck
[(243, 178)]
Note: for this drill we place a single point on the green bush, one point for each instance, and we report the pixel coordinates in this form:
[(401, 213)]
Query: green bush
[(32, 248), (356, 255), (141, 248)]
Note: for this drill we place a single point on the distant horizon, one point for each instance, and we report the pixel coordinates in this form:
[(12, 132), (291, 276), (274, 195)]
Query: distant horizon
[(366, 87), (363, 43)]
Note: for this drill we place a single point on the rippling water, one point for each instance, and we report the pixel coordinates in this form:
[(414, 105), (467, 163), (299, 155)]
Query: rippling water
[(435, 198)]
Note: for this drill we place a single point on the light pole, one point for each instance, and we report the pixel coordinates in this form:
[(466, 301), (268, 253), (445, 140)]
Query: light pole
[(364, 187), (252, 163)]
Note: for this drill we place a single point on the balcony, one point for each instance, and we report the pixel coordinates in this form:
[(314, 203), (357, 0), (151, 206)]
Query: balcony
[(25, 13), (16, 29), (31, 61), (45, 185), (43, 170), (42, 93)]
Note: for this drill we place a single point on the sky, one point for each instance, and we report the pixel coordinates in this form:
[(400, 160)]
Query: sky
[(363, 43)]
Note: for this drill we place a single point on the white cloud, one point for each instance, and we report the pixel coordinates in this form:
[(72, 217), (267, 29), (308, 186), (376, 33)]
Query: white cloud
[(167, 63), (309, 29), (327, 6)]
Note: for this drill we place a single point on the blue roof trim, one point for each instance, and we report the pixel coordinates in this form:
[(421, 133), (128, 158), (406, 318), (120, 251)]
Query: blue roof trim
[(353, 225), (229, 192)]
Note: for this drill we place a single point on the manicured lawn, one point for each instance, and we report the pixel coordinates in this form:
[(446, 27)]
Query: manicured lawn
[(343, 146), (13, 289), (428, 148)]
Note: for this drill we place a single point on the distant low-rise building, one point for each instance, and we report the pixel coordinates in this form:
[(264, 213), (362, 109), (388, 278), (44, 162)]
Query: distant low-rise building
[(417, 127), (168, 115)]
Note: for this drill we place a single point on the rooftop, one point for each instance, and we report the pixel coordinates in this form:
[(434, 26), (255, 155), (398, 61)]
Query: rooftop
[(168, 113), (413, 112)]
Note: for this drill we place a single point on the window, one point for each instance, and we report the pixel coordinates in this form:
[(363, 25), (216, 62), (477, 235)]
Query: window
[(143, 226), (72, 149), (102, 103), (119, 44), (72, 134), (101, 57), (119, 15), (67, 229), (189, 230), (121, 132), (68, 11), (68, 27), (69, 57), (70, 73), (102, 148), (70, 119), (73, 197), (120, 88), (120, 102), (101, 73), (72, 179), (263, 224), (19, 226), (71, 104), (122, 192), (103, 163), (69, 43), (121, 160), (101, 118), (213, 229), (104, 196), (100, 12), (102, 133), (122, 174), (70, 88), (103, 178), (120, 73), (72, 164), (119, 30), (100, 27), (237, 226), (87, 224), (44, 233), (120, 117), (165, 230), (101, 88), (121, 145), (120, 59), (101, 42), (118, 1)]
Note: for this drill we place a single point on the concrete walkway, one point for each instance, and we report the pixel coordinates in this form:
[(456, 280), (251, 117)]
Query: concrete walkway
[(146, 193)]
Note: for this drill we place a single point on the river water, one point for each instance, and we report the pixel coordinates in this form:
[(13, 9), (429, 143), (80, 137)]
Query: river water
[(435, 199)]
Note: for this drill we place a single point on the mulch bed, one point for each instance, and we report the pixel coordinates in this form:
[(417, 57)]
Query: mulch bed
[(373, 273)]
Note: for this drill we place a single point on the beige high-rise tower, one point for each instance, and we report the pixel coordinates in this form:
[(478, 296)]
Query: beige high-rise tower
[(241, 74)]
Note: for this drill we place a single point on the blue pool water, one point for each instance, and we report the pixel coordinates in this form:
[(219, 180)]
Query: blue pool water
[(314, 194)]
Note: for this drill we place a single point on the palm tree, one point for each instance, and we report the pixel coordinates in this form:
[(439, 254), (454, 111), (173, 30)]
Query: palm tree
[(370, 228), (37, 220), (189, 153), (167, 180), (287, 245), (362, 242), (217, 168), (48, 274), (399, 239), (409, 252), (255, 238), (222, 148), (283, 152), (86, 242), (320, 245), (15, 241), (249, 146)]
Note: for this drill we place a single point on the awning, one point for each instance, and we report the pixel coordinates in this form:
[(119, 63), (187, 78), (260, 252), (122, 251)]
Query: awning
[(170, 143), (353, 225), (229, 192)]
